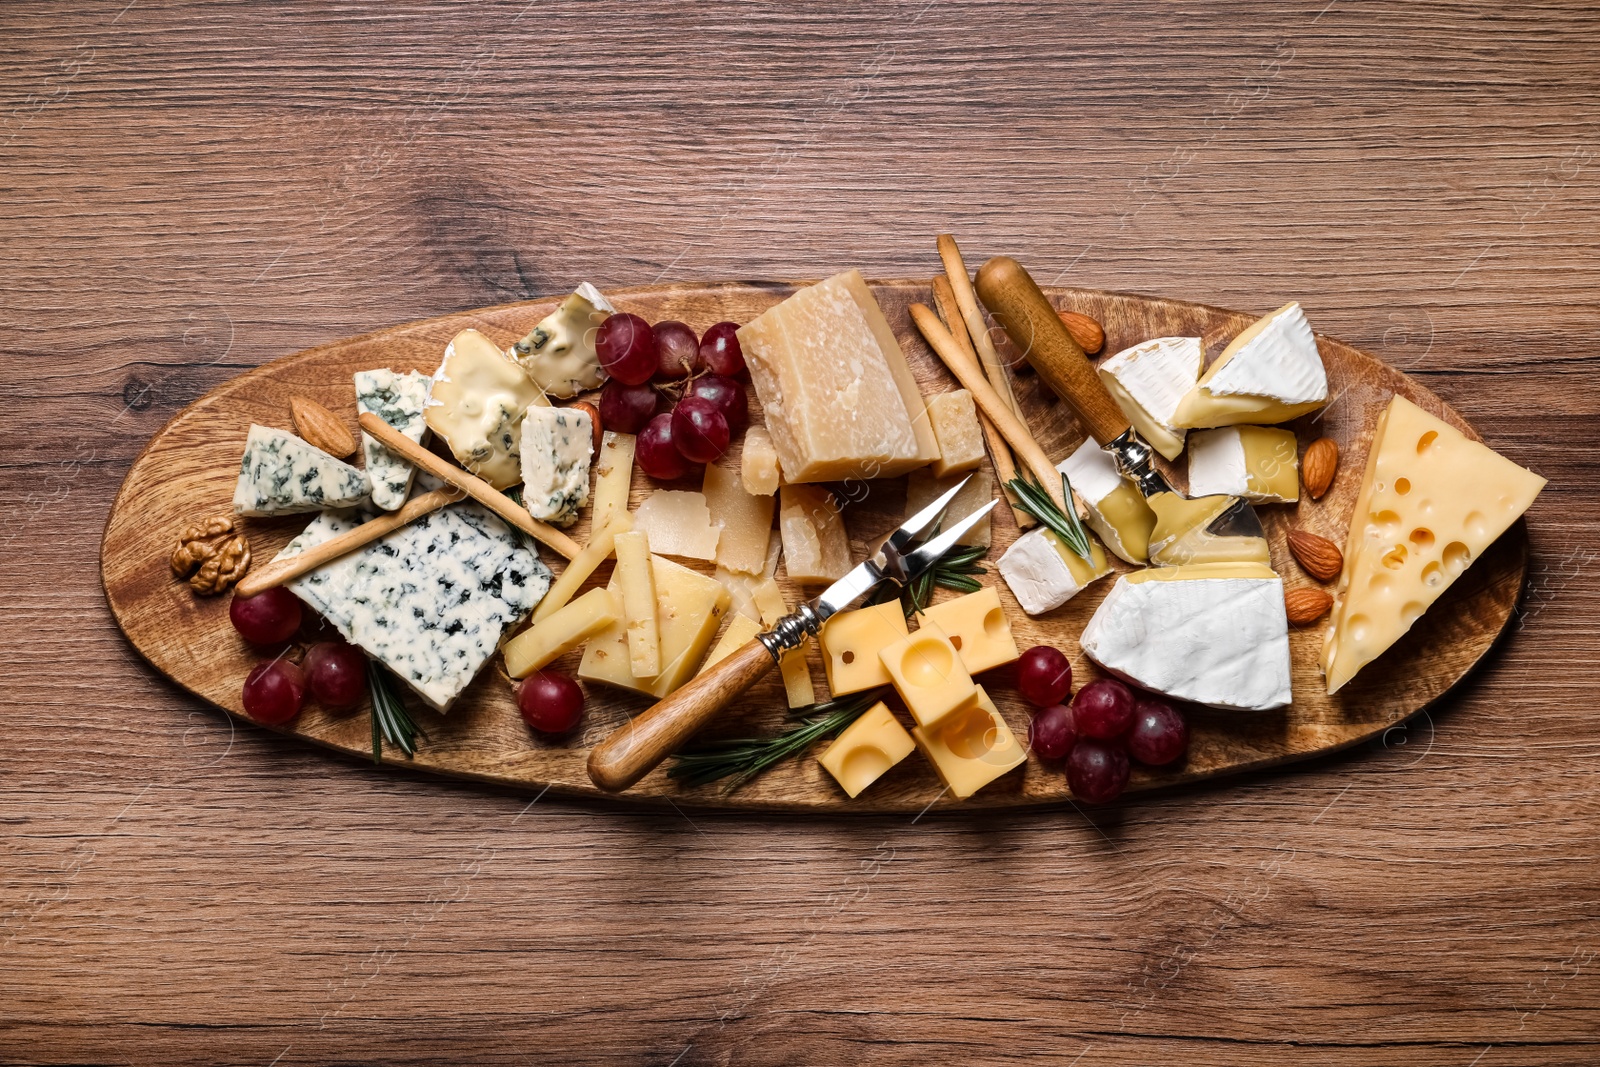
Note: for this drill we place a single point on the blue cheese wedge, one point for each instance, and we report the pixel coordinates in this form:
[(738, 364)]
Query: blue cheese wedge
[(557, 444), (282, 475), (397, 399), (431, 600), (559, 353)]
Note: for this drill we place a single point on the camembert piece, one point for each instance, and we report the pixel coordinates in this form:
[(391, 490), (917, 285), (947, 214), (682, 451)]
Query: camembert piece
[(839, 399), (815, 546), (1117, 510), (758, 463), (795, 669), (1148, 381), (476, 402), (977, 627), (678, 524), (564, 630), (1431, 502), (1044, 574), (1182, 534), (635, 578), (744, 519), (397, 399), (613, 475), (1216, 634), (739, 631), (955, 424), (851, 641), (559, 353), (1259, 463), (1270, 373), (282, 475), (928, 674), (689, 609), (922, 489), (867, 749), (557, 444), (971, 747)]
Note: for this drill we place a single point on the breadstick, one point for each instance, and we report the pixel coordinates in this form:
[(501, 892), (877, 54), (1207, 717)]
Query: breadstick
[(972, 314)]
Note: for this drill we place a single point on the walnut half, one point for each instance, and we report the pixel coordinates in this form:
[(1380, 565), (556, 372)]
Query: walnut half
[(211, 555)]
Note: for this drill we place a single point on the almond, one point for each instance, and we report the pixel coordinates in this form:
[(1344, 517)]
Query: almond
[(1089, 334), (1305, 605), (594, 419), (1316, 470), (1319, 556), (321, 427)]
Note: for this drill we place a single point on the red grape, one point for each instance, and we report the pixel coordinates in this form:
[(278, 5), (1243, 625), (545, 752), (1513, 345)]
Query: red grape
[(1097, 771), (727, 395), (1103, 709), (720, 352), (274, 692), (677, 350), (550, 703), (700, 430), (627, 349), (1051, 733), (626, 408), (656, 453), (1044, 676), (268, 618), (336, 672), (1159, 735)]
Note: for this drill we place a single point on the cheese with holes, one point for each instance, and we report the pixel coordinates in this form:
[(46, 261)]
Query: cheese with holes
[(1216, 634), (738, 633), (851, 642), (689, 609), (743, 519), (978, 628), (1259, 463), (397, 399), (564, 630), (476, 401), (1116, 509), (635, 578), (282, 475), (1149, 381), (867, 749), (1431, 502), (678, 524), (558, 353), (839, 400), (793, 666), (815, 546), (928, 674), (970, 747), (613, 476), (954, 416), (923, 488), (579, 567), (556, 446), (1044, 574), (758, 462), (1270, 373)]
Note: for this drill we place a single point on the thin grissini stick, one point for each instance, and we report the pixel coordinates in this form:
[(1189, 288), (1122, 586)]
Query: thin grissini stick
[(989, 401), (977, 326), (287, 570), (585, 563), (1005, 468), (471, 484)]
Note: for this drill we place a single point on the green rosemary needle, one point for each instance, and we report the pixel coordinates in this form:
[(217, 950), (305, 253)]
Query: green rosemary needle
[(1032, 498), (390, 721), (741, 759)]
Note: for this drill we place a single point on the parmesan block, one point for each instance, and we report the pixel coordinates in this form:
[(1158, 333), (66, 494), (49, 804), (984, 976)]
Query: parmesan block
[(923, 488), (796, 671), (955, 423), (689, 609), (635, 577), (678, 524), (744, 520), (758, 463), (613, 474), (815, 547), (839, 399)]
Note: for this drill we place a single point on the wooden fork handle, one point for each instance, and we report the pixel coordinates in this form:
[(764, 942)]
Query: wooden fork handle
[(636, 747)]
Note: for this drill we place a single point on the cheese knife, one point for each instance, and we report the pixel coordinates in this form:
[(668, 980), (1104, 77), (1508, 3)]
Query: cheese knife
[(635, 748)]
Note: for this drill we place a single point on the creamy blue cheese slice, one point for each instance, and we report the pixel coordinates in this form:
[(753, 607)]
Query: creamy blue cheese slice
[(282, 475), (432, 599), (397, 399), (557, 444)]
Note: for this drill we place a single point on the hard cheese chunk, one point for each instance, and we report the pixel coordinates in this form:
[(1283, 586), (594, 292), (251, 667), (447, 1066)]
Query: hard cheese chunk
[(1148, 381), (867, 749), (793, 666), (742, 587), (282, 475), (561, 632), (635, 578), (1044, 574), (1259, 463), (1117, 510), (1216, 634), (928, 674), (815, 546), (558, 353), (839, 400), (613, 475), (476, 401), (431, 600), (585, 563), (851, 642), (758, 462), (678, 524), (955, 425), (923, 488), (971, 747), (397, 399), (744, 519), (977, 626), (1269, 373), (689, 608), (557, 444), (1431, 502), (740, 631)]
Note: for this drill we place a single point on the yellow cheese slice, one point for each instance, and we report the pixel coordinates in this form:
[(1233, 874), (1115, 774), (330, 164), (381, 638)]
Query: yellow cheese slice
[(977, 626), (689, 609), (971, 747), (578, 569), (1180, 534), (635, 577), (613, 476), (561, 632), (928, 674), (851, 641), (740, 630), (867, 749), (793, 666)]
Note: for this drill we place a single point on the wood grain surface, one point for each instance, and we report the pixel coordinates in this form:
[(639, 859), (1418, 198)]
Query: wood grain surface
[(193, 190)]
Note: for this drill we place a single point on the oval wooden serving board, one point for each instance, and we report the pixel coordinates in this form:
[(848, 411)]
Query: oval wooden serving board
[(188, 470)]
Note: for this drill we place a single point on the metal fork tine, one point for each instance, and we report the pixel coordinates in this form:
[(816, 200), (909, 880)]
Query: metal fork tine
[(925, 555), (916, 525)]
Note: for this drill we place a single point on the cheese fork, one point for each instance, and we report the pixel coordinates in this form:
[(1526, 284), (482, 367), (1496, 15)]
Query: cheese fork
[(635, 749)]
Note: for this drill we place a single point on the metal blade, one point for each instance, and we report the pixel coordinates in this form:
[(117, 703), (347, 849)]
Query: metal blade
[(1240, 520), (928, 553), (841, 594), (916, 525)]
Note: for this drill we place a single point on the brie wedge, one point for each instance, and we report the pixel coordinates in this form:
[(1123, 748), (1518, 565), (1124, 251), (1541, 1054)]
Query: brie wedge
[(559, 353), (1149, 380), (1259, 463), (1270, 373), (476, 403), (1044, 574), (1117, 511)]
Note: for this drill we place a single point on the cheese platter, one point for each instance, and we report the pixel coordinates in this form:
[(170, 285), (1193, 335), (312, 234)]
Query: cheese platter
[(568, 520)]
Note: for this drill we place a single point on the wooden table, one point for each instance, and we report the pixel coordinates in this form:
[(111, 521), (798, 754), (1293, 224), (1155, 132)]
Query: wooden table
[(191, 190)]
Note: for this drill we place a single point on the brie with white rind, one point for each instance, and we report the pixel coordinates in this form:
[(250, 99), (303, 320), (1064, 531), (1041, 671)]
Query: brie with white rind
[(1270, 373), (1044, 574), (1215, 633), (1116, 508), (559, 353), (1149, 380), (476, 403), (1259, 463), (397, 399)]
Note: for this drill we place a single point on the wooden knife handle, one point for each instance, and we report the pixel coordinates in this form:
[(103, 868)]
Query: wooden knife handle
[(1039, 334), (635, 749)]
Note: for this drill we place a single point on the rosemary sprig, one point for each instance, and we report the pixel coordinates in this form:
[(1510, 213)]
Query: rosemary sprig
[(390, 720), (742, 758), (1032, 498), (957, 569)]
